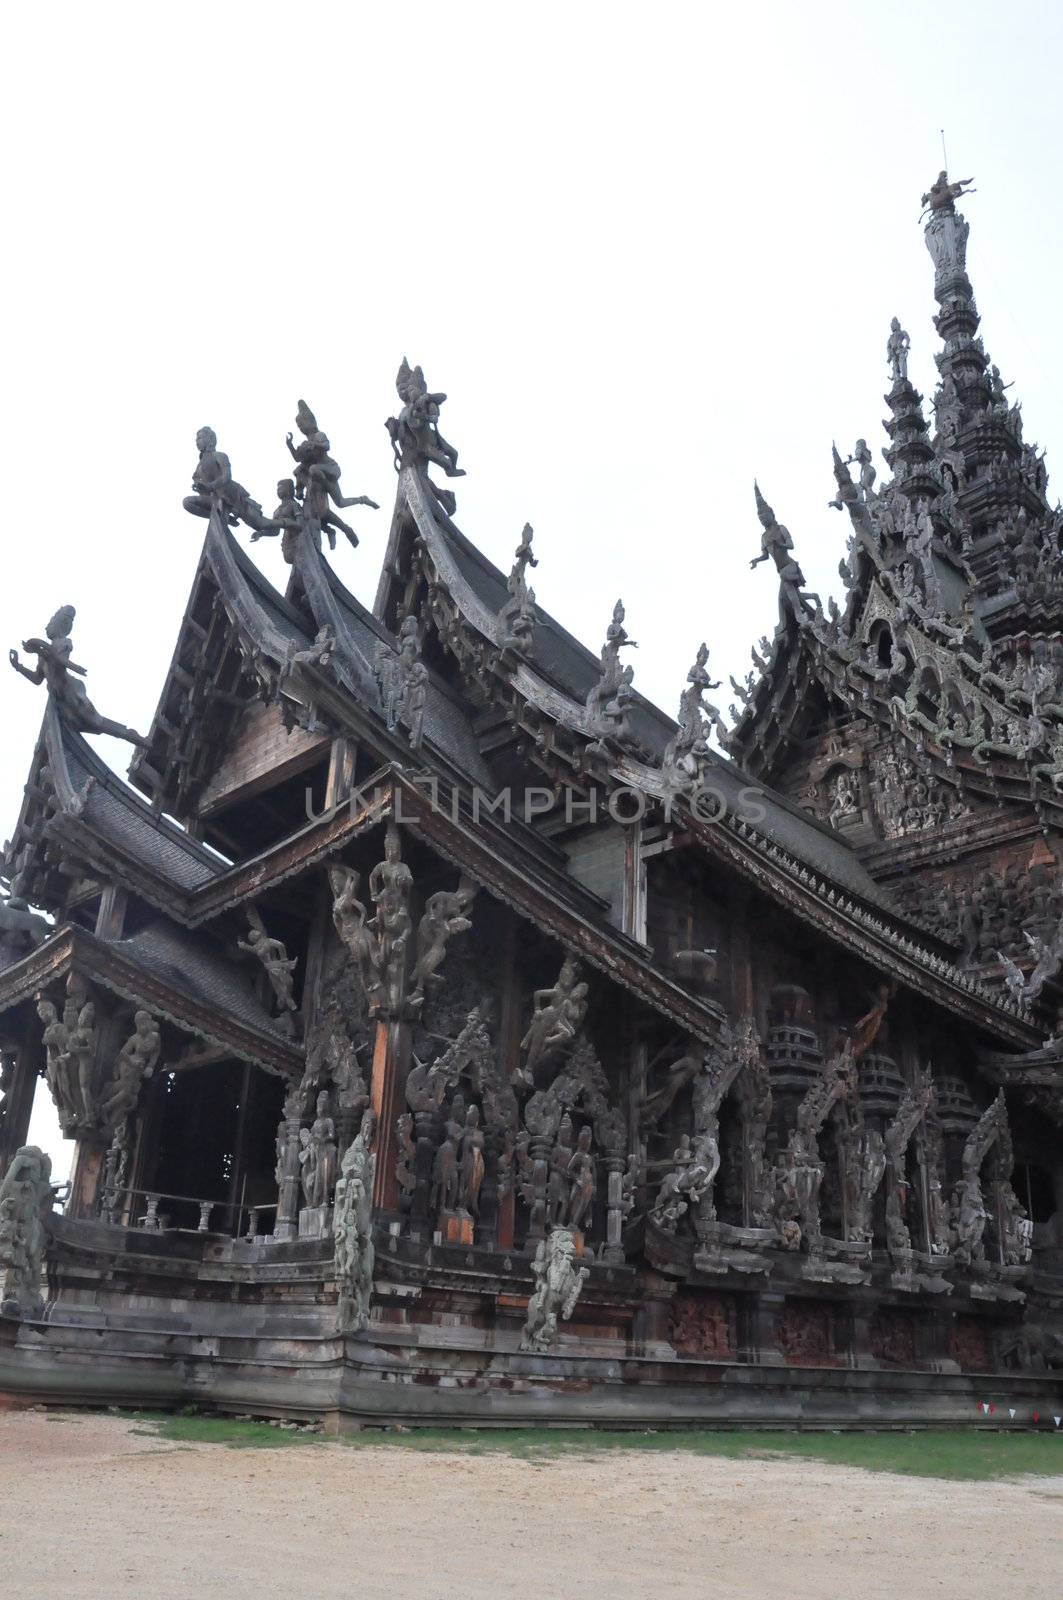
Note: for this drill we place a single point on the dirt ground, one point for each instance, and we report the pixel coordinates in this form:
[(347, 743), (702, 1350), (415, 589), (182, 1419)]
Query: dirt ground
[(88, 1508)]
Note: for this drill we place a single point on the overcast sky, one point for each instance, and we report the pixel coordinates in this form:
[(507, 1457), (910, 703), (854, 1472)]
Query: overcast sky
[(648, 251)]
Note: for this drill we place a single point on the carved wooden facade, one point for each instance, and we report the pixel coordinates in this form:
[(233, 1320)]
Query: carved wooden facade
[(432, 1000)]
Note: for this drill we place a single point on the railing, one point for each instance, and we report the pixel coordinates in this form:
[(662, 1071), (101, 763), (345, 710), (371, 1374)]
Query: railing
[(197, 1215)]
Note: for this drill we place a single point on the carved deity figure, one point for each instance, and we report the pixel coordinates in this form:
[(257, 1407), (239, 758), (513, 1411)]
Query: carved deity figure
[(415, 435), (357, 935), (471, 1163), (213, 485), (608, 699), (136, 1062), (557, 1017), (274, 958), (558, 1282), (56, 669), (444, 917), (318, 1155), (968, 1215), (26, 1196), (390, 886), (57, 1070), (946, 229), (352, 1230), (799, 1174), (582, 1182), (115, 1169), (517, 616), (688, 1180), (403, 680), (897, 348), (317, 481)]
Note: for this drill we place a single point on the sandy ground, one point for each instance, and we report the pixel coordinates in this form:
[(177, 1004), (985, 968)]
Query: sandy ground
[(87, 1508)]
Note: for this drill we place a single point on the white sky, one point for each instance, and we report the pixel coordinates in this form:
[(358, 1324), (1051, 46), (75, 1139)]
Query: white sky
[(648, 251)]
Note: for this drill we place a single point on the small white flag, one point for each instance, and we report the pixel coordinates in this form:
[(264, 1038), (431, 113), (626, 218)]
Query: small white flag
[(1057, 1420), (985, 1410), (1011, 1413)]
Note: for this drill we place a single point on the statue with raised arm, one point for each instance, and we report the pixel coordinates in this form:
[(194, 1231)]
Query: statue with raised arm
[(317, 480), (274, 959), (56, 669), (136, 1062), (897, 347), (946, 229), (517, 616), (213, 485), (357, 935), (557, 1016), (445, 915), (415, 436), (942, 195), (558, 1282)]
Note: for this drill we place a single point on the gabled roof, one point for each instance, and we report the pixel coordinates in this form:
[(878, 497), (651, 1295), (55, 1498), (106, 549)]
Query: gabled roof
[(75, 801)]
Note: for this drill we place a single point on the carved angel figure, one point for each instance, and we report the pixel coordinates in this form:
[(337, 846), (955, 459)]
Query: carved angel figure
[(55, 669), (415, 435), (213, 485), (557, 1017), (136, 1062), (274, 958)]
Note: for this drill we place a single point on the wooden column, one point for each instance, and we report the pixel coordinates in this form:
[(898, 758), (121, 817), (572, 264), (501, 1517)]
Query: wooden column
[(509, 1044), (391, 1063), (18, 1099), (85, 1175), (110, 918)]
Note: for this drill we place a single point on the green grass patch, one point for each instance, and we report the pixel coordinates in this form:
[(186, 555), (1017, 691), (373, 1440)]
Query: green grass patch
[(972, 1456)]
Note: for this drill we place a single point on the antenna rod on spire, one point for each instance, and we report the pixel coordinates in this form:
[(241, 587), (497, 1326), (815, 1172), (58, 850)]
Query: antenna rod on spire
[(944, 152)]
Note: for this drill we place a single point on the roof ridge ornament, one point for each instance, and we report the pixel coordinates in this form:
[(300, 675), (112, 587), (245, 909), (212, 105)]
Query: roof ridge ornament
[(215, 488), (307, 497), (55, 668), (517, 616), (415, 436), (776, 544)]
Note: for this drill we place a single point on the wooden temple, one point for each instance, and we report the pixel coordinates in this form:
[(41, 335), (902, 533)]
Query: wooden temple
[(446, 1034)]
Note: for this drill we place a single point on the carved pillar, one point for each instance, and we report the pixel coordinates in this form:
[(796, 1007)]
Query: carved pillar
[(391, 1063), (509, 1044), (761, 1334), (110, 918), (286, 1225), (614, 1214), (21, 1061), (340, 783)]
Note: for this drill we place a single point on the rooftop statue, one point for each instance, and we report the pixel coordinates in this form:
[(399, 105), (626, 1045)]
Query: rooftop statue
[(776, 544), (55, 668), (517, 615), (608, 699), (946, 230), (415, 436), (942, 195), (317, 480), (897, 347), (213, 486)]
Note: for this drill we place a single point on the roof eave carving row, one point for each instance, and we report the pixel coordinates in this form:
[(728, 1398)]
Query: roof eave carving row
[(71, 949)]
